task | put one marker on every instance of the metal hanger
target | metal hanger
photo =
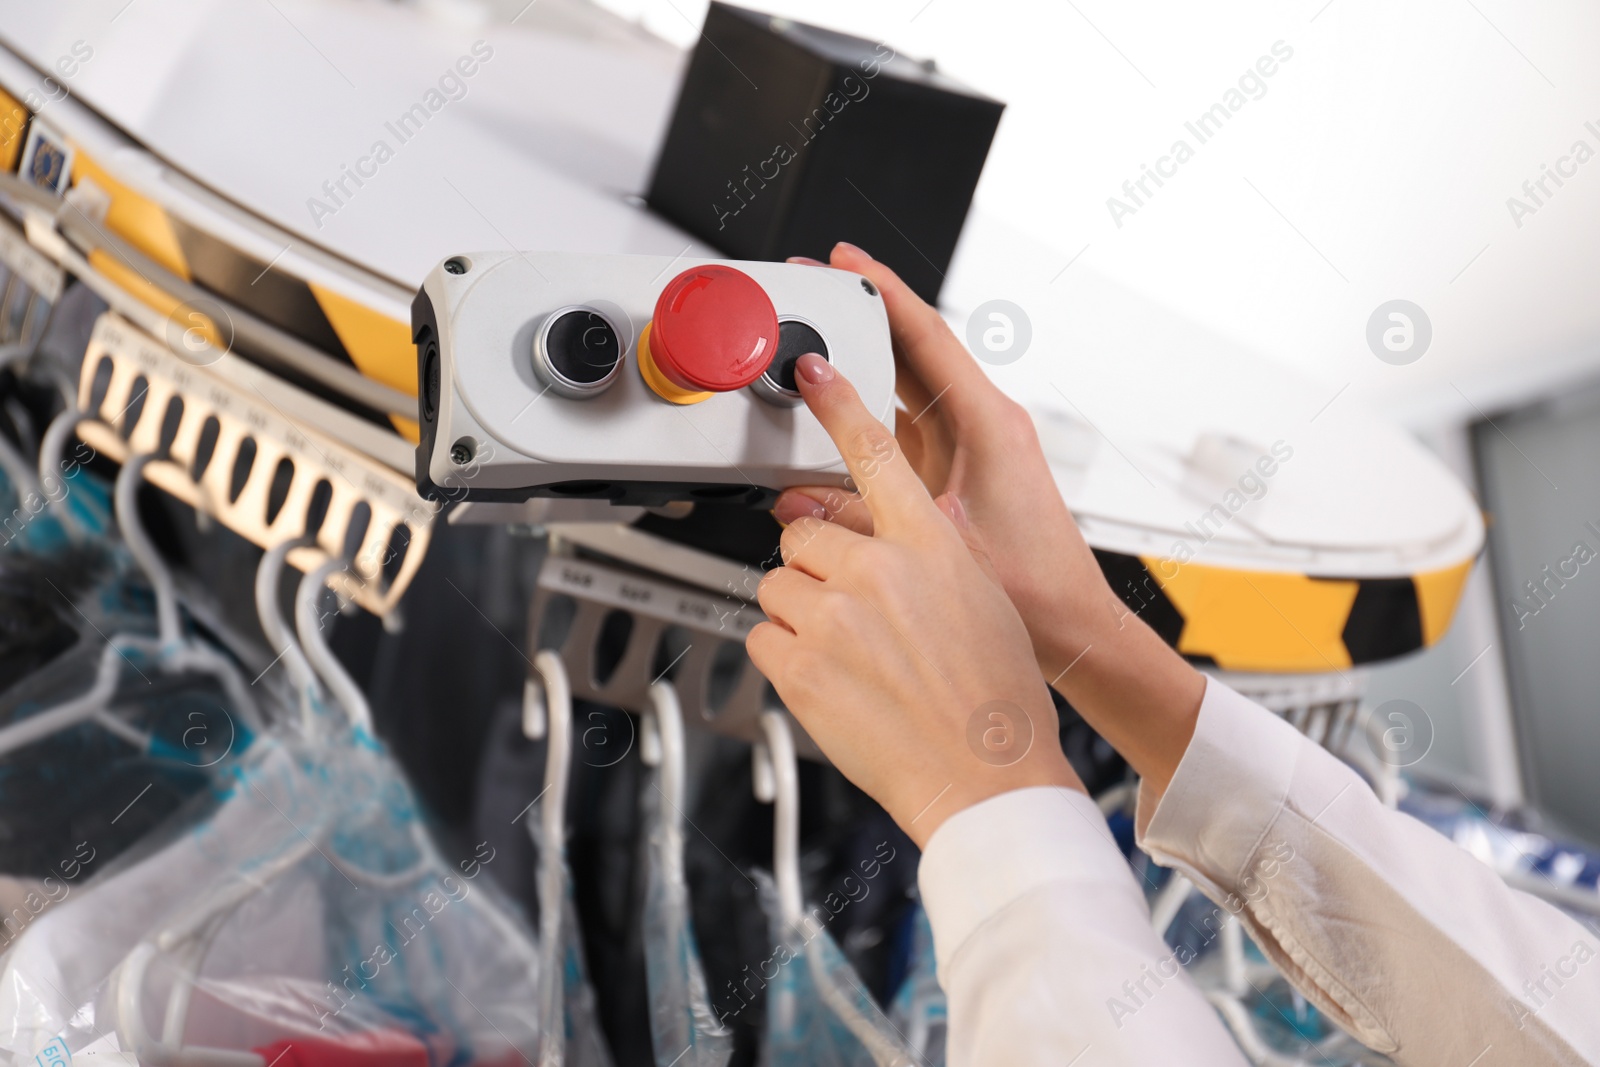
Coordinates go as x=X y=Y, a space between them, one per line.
x=276 y=629
x=692 y=1032
x=547 y=714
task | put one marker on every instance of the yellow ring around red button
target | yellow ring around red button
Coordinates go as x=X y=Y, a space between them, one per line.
x=657 y=381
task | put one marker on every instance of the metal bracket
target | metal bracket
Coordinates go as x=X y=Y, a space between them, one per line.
x=718 y=686
x=128 y=423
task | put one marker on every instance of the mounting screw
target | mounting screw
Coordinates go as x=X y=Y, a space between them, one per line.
x=456 y=265
x=872 y=290
x=461 y=452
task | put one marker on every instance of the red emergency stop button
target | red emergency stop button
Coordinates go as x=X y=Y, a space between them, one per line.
x=715 y=330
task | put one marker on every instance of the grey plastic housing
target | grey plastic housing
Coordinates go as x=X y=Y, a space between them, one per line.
x=492 y=429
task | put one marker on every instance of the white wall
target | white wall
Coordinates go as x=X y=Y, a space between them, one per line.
x=1391 y=142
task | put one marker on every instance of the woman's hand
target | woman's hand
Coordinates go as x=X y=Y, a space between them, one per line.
x=897 y=649
x=966 y=438
x=970 y=443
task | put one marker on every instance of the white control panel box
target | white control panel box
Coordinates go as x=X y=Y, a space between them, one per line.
x=635 y=379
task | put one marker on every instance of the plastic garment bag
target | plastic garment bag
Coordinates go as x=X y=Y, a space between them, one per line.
x=819 y=1014
x=76 y=507
x=303 y=908
x=569 y=1021
x=172 y=652
x=106 y=780
x=309 y=917
x=919 y=1010
x=62 y=593
x=683 y=1028
x=105 y=728
x=1277 y=1027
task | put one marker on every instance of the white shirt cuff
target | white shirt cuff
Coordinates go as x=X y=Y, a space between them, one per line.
x=1228 y=790
x=986 y=857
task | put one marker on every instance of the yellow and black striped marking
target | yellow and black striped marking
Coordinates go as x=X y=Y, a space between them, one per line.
x=344 y=329
x=1278 y=622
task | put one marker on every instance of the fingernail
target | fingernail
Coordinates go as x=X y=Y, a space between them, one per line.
x=955 y=509
x=807 y=260
x=848 y=247
x=792 y=507
x=814 y=369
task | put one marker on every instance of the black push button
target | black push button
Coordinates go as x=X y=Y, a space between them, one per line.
x=578 y=352
x=795 y=339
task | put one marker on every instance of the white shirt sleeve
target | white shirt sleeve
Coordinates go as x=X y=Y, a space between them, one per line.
x=1409 y=942
x=1044 y=945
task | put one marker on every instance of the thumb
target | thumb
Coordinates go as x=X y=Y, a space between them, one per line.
x=956 y=512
